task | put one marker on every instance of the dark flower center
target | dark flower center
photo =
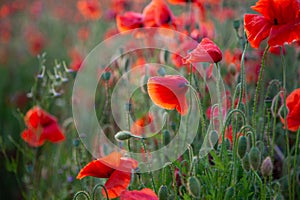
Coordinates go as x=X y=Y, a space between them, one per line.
x=275 y=21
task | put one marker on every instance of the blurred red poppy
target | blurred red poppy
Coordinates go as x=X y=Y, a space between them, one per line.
x=157 y=13
x=114 y=167
x=293 y=105
x=144 y=194
x=206 y=51
x=280 y=21
x=168 y=92
x=41 y=126
x=129 y=20
x=90 y=9
x=139 y=126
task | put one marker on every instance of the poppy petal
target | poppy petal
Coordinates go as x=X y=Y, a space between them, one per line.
x=284 y=34
x=144 y=194
x=257 y=29
x=31 y=138
x=169 y=92
x=117 y=183
x=101 y=168
x=53 y=133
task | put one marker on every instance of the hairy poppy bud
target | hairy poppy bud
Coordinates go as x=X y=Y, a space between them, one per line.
x=106 y=76
x=213 y=138
x=163 y=193
x=166 y=137
x=229 y=193
x=123 y=135
x=245 y=162
x=266 y=167
x=242 y=146
x=279 y=197
x=193 y=186
x=254 y=158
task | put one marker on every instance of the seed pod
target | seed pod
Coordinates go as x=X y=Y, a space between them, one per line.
x=266 y=167
x=229 y=193
x=242 y=146
x=193 y=186
x=163 y=193
x=254 y=158
x=123 y=135
x=166 y=137
x=213 y=138
x=245 y=162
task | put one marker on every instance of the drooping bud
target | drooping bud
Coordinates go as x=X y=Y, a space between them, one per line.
x=254 y=158
x=213 y=138
x=193 y=186
x=123 y=135
x=245 y=162
x=266 y=167
x=242 y=146
x=163 y=193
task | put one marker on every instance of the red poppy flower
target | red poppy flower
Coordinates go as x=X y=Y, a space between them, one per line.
x=41 y=126
x=139 y=126
x=280 y=21
x=169 y=92
x=90 y=9
x=114 y=167
x=76 y=59
x=157 y=13
x=293 y=105
x=130 y=20
x=206 y=51
x=144 y=194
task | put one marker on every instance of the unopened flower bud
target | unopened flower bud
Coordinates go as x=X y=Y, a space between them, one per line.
x=163 y=193
x=245 y=162
x=266 y=167
x=254 y=158
x=166 y=137
x=193 y=186
x=123 y=135
x=213 y=138
x=242 y=146
x=229 y=193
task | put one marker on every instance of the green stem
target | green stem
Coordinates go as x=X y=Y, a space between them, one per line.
x=104 y=188
x=295 y=161
x=150 y=172
x=257 y=90
x=285 y=122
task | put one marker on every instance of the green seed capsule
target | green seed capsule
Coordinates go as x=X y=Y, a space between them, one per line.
x=193 y=186
x=163 y=193
x=242 y=146
x=254 y=158
x=123 y=135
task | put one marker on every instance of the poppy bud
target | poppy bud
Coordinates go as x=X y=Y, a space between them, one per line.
x=254 y=158
x=213 y=138
x=245 y=162
x=166 y=137
x=161 y=71
x=193 y=186
x=236 y=24
x=267 y=167
x=106 y=75
x=123 y=135
x=182 y=190
x=227 y=143
x=229 y=193
x=242 y=146
x=163 y=193
x=279 y=197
